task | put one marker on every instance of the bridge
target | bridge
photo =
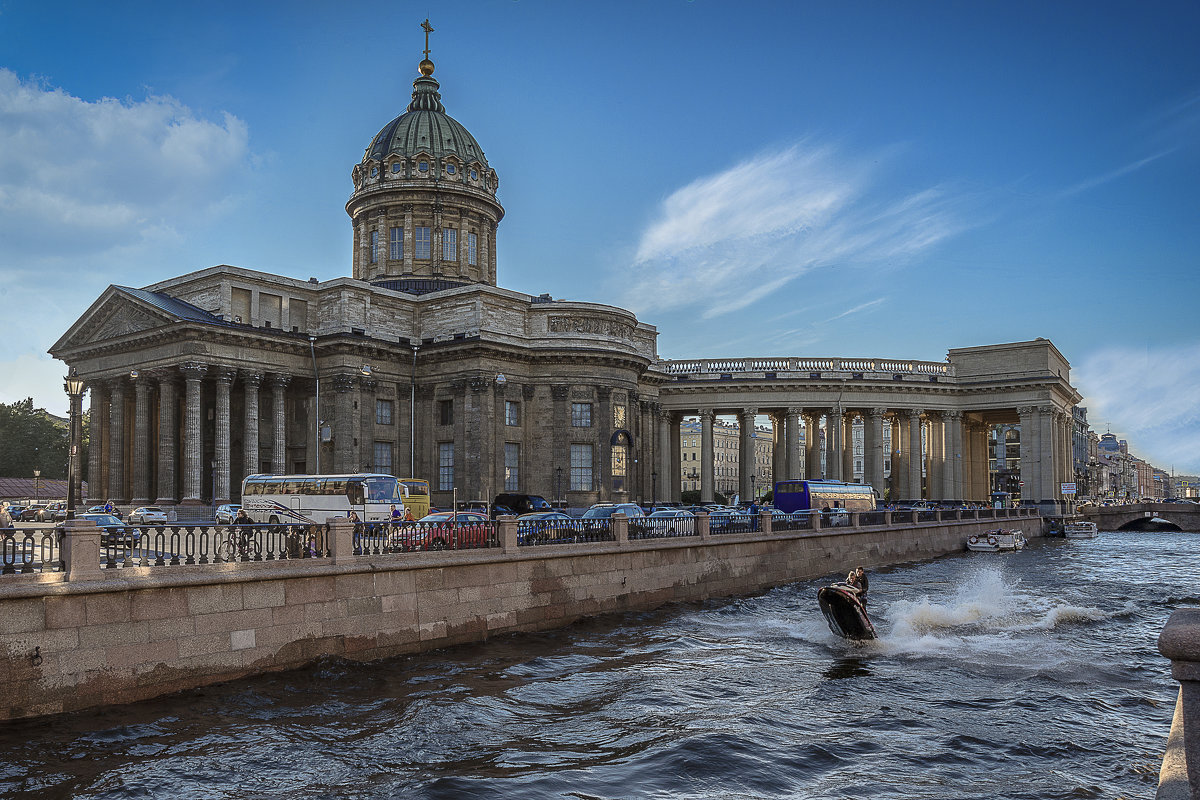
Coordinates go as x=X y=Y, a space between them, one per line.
x=1185 y=516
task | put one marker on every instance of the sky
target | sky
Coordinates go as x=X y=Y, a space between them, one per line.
x=858 y=179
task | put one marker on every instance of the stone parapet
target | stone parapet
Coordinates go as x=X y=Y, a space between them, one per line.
x=1180 y=642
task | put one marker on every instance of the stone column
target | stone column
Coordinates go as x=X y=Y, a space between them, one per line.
x=97 y=482
x=873 y=450
x=847 y=421
x=1049 y=492
x=746 y=451
x=603 y=426
x=561 y=430
x=779 y=448
x=250 y=452
x=279 y=424
x=168 y=440
x=675 y=468
x=116 y=440
x=914 y=453
x=952 y=472
x=935 y=478
x=706 y=455
x=812 y=446
x=141 y=441
x=408 y=238
x=221 y=446
x=901 y=444
x=795 y=453
x=665 y=479
x=193 y=374
x=833 y=444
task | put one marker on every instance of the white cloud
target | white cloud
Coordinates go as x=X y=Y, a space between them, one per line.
x=768 y=220
x=1150 y=398
x=80 y=177
x=1099 y=180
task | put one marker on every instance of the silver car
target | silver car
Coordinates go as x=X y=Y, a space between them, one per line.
x=148 y=515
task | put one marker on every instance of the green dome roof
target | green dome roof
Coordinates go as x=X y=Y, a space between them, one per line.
x=425 y=128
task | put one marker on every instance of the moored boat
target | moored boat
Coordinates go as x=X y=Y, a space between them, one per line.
x=1080 y=529
x=844 y=611
x=1000 y=540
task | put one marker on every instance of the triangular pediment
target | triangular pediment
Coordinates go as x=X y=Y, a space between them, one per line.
x=115 y=315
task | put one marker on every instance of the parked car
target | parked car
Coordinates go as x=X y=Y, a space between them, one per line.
x=227 y=512
x=33 y=513
x=148 y=515
x=15 y=512
x=606 y=510
x=113 y=531
x=519 y=504
x=60 y=512
x=444 y=530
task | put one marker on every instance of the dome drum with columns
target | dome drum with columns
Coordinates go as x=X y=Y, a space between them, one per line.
x=424 y=203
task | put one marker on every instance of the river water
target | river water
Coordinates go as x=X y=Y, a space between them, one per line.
x=1025 y=675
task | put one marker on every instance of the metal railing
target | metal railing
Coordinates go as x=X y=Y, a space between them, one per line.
x=662 y=527
x=796 y=521
x=871 y=518
x=377 y=538
x=176 y=545
x=732 y=523
x=536 y=532
x=925 y=515
x=24 y=551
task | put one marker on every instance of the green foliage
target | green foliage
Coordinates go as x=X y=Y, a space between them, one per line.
x=30 y=439
x=691 y=497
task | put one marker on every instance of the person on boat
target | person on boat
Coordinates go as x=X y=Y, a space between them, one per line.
x=862 y=582
x=852 y=582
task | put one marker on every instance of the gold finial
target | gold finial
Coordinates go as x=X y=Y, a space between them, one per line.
x=426 y=66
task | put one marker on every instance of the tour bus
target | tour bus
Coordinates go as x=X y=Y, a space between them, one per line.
x=416 y=496
x=791 y=496
x=315 y=498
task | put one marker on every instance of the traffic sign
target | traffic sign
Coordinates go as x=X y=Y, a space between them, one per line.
x=1068 y=488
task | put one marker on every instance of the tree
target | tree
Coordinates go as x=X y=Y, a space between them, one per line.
x=31 y=439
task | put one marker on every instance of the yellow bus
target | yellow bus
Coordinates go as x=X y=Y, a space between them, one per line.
x=416 y=496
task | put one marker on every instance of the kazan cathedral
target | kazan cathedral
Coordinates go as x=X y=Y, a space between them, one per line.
x=421 y=366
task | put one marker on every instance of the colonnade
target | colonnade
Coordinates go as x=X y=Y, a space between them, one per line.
x=135 y=455
x=934 y=454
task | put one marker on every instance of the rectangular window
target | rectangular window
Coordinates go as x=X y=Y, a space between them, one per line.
x=397 y=243
x=421 y=242
x=581 y=467
x=445 y=412
x=512 y=466
x=445 y=466
x=512 y=413
x=449 y=244
x=383 y=412
x=581 y=415
x=472 y=249
x=383 y=457
x=374 y=246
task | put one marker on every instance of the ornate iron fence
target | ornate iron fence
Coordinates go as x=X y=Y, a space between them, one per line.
x=175 y=545
x=732 y=523
x=926 y=516
x=797 y=521
x=871 y=517
x=24 y=551
x=536 y=532
x=662 y=527
x=377 y=538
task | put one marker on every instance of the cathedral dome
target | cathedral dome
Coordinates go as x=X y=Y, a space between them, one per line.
x=425 y=128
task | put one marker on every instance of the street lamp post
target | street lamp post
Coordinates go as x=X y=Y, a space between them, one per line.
x=558 y=484
x=653 y=490
x=73 y=385
x=312 y=349
x=37 y=486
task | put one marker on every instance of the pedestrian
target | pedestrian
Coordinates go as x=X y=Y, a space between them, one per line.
x=863 y=582
x=408 y=515
x=396 y=515
x=354 y=517
x=5 y=516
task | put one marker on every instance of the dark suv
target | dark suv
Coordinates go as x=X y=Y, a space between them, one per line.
x=518 y=504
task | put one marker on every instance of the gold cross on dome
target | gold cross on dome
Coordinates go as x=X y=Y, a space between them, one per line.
x=428 y=30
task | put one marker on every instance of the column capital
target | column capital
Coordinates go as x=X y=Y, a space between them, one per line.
x=878 y=412
x=252 y=379
x=1046 y=409
x=528 y=391
x=560 y=391
x=914 y=413
x=117 y=384
x=954 y=416
x=193 y=370
x=707 y=415
x=279 y=380
x=225 y=375
x=344 y=383
x=603 y=393
x=368 y=384
x=794 y=411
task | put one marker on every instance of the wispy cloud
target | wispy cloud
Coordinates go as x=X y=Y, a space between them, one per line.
x=1149 y=397
x=769 y=220
x=1099 y=180
x=858 y=308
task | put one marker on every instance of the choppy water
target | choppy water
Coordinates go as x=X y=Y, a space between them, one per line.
x=1029 y=675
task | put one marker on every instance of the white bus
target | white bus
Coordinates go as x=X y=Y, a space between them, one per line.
x=315 y=498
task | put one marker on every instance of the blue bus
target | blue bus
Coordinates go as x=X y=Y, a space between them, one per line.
x=792 y=496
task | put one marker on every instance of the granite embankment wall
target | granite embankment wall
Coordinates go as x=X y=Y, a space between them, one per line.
x=89 y=637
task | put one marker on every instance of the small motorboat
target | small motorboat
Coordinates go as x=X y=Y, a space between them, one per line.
x=1080 y=529
x=844 y=611
x=1001 y=540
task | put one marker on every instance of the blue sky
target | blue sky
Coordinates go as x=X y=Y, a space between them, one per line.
x=836 y=179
